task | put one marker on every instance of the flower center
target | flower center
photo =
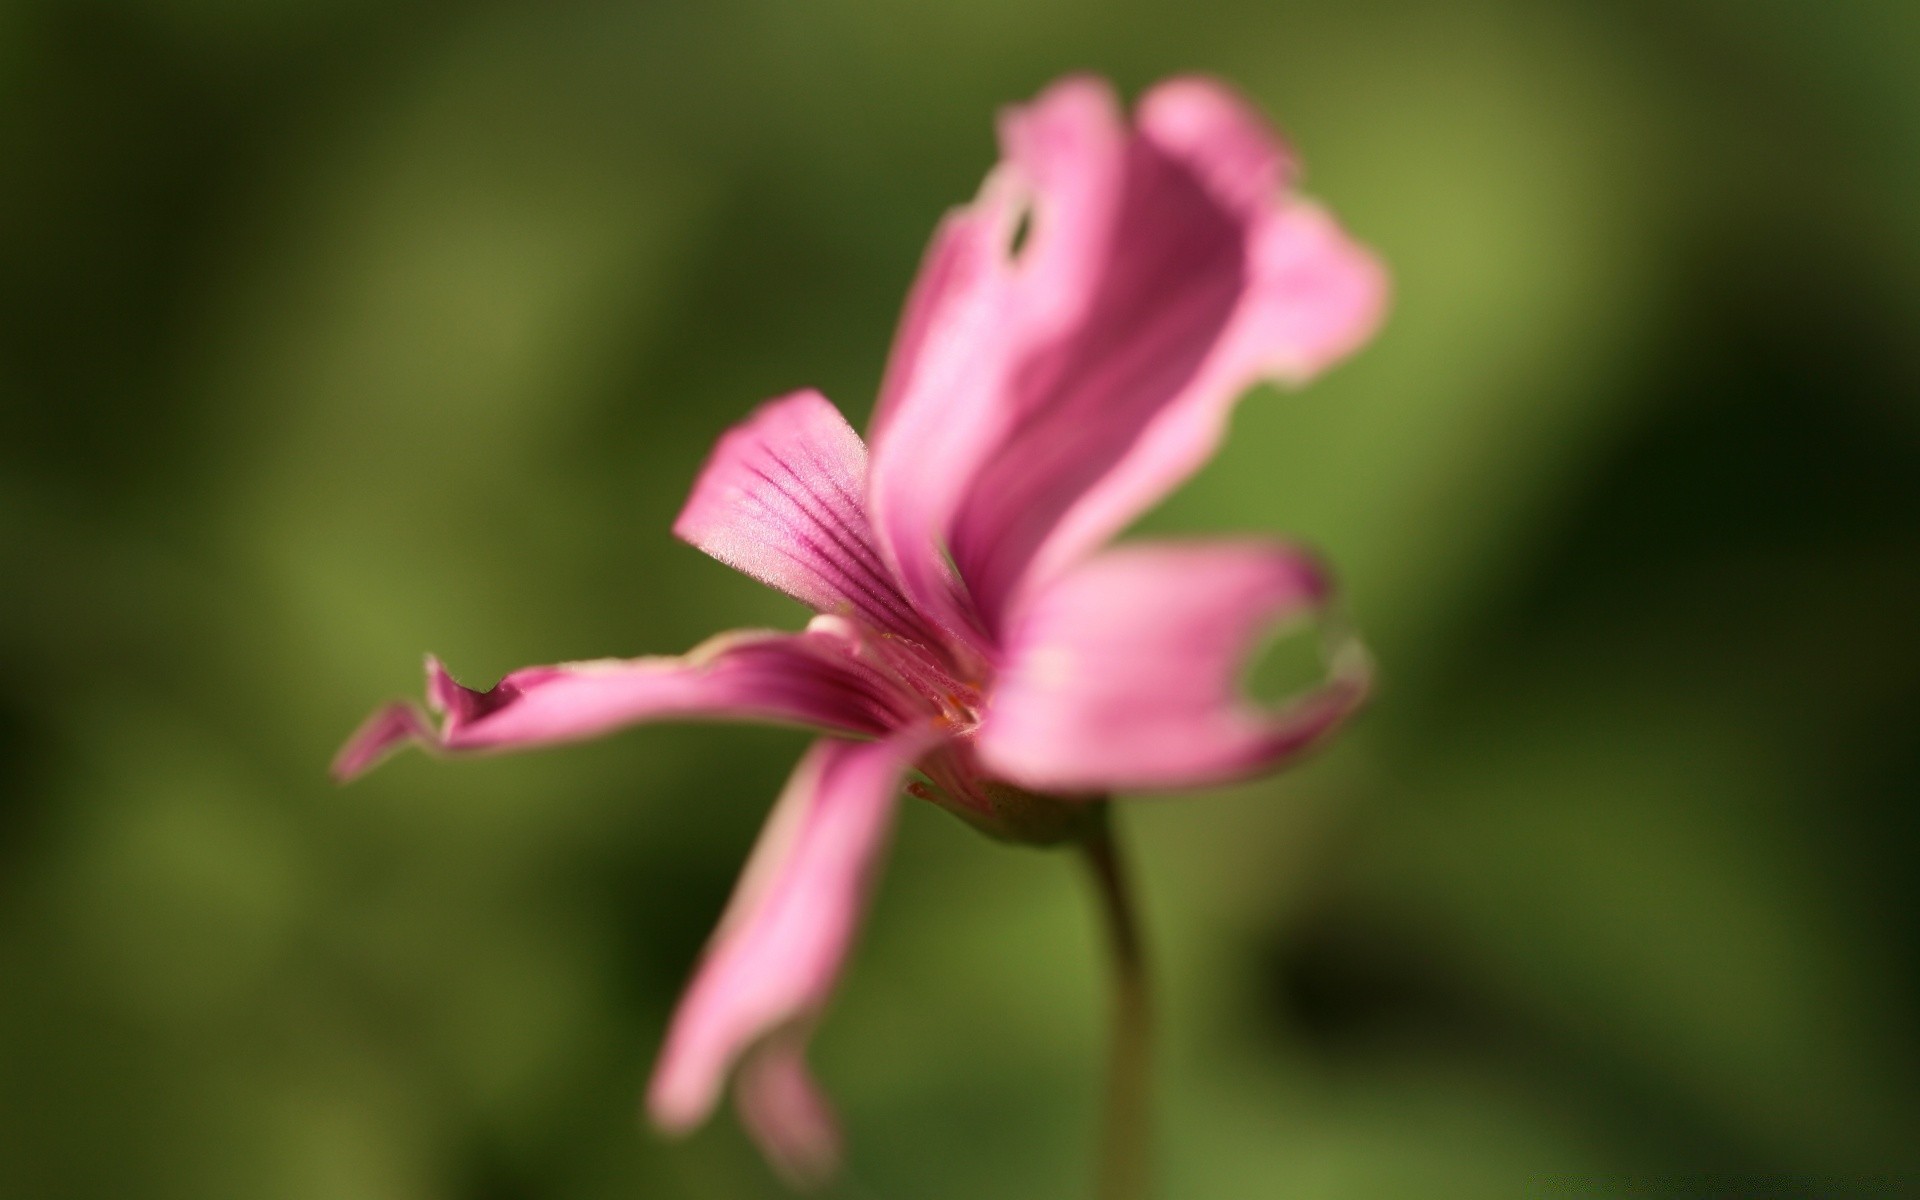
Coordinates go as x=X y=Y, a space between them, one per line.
x=930 y=675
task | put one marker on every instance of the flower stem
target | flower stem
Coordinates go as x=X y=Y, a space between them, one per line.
x=1125 y=1153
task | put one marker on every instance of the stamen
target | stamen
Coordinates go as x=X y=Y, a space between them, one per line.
x=926 y=674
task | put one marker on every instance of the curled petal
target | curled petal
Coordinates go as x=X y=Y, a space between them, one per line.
x=779 y=948
x=390 y=727
x=782 y=499
x=1316 y=296
x=1050 y=393
x=1230 y=147
x=1124 y=673
x=813 y=678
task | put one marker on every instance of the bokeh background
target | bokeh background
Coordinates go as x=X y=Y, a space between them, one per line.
x=332 y=332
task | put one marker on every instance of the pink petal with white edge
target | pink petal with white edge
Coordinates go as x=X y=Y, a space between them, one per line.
x=813 y=679
x=1081 y=379
x=1124 y=674
x=779 y=948
x=782 y=498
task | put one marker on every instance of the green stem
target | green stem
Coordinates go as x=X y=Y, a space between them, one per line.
x=1125 y=1152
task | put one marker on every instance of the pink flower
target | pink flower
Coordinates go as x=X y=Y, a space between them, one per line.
x=1070 y=353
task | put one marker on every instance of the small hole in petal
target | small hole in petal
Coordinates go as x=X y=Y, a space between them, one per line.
x=1022 y=232
x=1290 y=661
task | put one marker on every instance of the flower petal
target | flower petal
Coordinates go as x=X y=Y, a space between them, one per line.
x=1315 y=297
x=779 y=948
x=1200 y=121
x=783 y=1108
x=782 y=499
x=813 y=678
x=1051 y=394
x=1123 y=674
x=389 y=728
x=976 y=312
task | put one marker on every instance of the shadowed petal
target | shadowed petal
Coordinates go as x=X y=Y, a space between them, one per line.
x=782 y=499
x=1070 y=385
x=1239 y=158
x=1124 y=673
x=779 y=948
x=812 y=678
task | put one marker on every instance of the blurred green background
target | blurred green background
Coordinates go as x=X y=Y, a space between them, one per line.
x=332 y=332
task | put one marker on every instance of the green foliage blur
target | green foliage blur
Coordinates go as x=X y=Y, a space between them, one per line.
x=334 y=332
